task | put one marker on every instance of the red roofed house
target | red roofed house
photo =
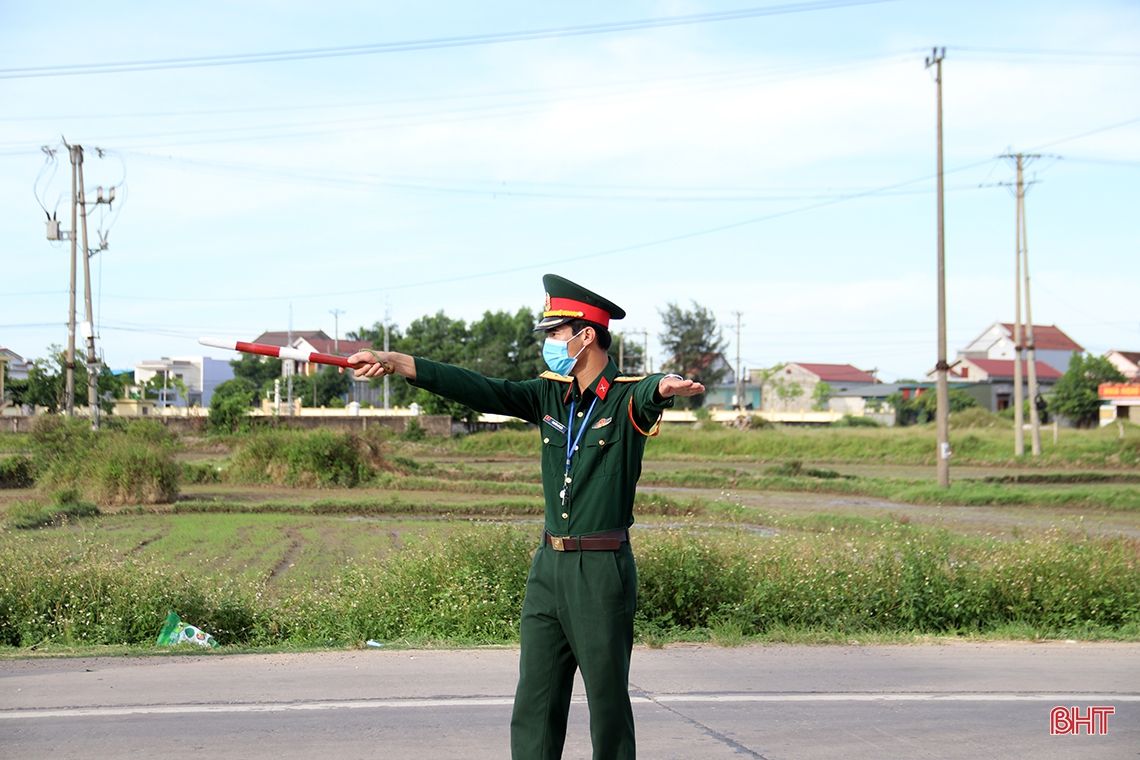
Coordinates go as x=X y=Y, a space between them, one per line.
x=310 y=341
x=994 y=380
x=1053 y=346
x=792 y=388
x=1128 y=362
x=319 y=341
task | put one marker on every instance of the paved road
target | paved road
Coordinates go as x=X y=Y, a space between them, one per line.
x=691 y=703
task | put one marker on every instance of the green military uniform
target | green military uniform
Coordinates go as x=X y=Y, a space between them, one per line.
x=579 y=605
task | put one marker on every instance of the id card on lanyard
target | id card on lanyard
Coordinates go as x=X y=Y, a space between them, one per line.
x=572 y=445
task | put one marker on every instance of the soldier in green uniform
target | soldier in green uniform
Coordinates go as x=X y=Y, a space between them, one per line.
x=582 y=588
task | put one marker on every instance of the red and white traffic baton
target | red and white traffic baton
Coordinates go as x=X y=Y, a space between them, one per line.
x=281 y=352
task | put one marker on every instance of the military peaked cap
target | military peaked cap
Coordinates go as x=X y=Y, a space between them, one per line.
x=567 y=301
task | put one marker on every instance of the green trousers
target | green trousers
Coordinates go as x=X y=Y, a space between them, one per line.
x=577 y=613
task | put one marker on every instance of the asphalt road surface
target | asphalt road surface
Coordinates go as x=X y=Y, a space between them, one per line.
x=959 y=700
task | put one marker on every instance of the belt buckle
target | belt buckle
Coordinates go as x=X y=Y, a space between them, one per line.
x=556 y=542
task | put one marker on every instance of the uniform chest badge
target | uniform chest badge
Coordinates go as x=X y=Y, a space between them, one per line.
x=601 y=423
x=554 y=423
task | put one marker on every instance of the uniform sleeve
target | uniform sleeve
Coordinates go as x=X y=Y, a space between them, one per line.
x=646 y=405
x=483 y=394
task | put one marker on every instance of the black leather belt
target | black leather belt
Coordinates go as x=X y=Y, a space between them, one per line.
x=609 y=541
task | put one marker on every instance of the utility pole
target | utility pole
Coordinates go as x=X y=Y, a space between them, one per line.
x=1022 y=280
x=89 y=313
x=1031 y=358
x=645 y=349
x=290 y=367
x=76 y=154
x=739 y=366
x=1018 y=387
x=336 y=329
x=942 y=389
x=387 y=320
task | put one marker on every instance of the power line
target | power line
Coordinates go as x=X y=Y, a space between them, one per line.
x=435 y=43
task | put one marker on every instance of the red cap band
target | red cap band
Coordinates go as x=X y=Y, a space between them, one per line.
x=566 y=307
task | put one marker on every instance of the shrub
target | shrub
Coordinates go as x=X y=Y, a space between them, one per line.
x=66 y=506
x=16 y=472
x=316 y=458
x=229 y=406
x=131 y=465
x=852 y=421
x=976 y=417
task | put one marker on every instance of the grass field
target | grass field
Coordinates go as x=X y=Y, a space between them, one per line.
x=739 y=539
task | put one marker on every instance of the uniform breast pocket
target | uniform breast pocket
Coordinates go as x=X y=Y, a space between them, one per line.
x=602 y=447
x=553 y=448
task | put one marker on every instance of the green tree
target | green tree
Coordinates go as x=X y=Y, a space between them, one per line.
x=820 y=396
x=230 y=405
x=921 y=409
x=1075 y=394
x=262 y=371
x=631 y=351
x=693 y=341
x=47 y=383
x=320 y=388
x=505 y=345
x=440 y=338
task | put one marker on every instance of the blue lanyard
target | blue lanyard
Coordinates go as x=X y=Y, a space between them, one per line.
x=572 y=447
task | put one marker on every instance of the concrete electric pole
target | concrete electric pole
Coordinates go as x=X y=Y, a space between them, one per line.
x=336 y=329
x=739 y=365
x=942 y=389
x=1021 y=280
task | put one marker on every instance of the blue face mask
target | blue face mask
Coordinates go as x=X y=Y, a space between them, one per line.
x=556 y=353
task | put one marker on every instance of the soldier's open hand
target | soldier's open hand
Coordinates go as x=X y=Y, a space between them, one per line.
x=675 y=385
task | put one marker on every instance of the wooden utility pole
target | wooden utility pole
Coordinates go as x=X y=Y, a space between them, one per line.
x=942 y=367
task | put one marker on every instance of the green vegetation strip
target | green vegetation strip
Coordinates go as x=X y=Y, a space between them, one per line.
x=466 y=588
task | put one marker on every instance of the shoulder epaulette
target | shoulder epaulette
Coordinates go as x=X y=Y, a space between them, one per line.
x=629 y=378
x=548 y=375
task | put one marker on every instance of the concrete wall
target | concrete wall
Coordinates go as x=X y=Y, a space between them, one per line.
x=438 y=425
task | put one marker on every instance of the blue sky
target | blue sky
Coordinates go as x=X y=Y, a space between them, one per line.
x=779 y=164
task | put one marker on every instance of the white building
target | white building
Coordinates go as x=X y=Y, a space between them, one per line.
x=199 y=374
x=1051 y=345
x=1128 y=362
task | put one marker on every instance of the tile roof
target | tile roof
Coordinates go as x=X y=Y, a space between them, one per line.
x=281 y=337
x=1003 y=369
x=838 y=373
x=1047 y=337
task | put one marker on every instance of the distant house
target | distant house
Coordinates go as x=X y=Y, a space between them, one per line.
x=318 y=341
x=722 y=394
x=991 y=380
x=792 y=387
x=1051 y=344
x=1128 y=362
x=310 y=341
x=200 y=375
x=12 y=367
x=16 y=365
